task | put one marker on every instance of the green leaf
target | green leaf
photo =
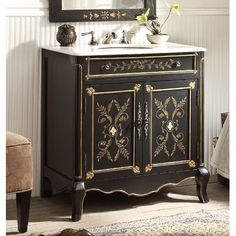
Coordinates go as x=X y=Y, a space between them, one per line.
x=147 y=12
x=144 y=16
x=175 y=8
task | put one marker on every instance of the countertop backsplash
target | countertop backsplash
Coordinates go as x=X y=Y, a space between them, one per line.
x=101 y=29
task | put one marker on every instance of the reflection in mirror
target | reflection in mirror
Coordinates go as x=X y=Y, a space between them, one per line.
x=104 y=4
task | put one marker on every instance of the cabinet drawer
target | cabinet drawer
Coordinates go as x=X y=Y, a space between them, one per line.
x=140 y=65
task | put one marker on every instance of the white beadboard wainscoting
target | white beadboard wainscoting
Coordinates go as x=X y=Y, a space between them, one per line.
x=202 y=23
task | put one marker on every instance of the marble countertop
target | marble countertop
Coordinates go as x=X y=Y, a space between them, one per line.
x=125 y=49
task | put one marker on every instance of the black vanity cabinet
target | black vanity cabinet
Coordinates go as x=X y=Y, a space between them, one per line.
x=128 y=123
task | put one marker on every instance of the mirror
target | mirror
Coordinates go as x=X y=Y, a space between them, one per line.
x=98 y=10
x=98 y=4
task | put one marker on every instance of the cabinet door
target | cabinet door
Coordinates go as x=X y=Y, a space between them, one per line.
x=172 y=136
x=112 y=141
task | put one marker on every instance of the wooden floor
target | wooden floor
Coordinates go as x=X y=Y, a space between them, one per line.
x=50 y=215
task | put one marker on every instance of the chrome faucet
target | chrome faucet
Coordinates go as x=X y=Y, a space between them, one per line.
x=109 y=37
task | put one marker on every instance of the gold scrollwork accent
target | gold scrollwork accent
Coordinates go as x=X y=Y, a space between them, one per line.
x=136 y=169
x=105 y=15
x=96 y=15
x=118 y=14
x=192 y=84
x=192 y=164
x=149 y=88
x=113 y=14
x=89 y=175
x=148 y=168
x=113 y=130
x=169 y=125
x=90 y=91
x=137 y=87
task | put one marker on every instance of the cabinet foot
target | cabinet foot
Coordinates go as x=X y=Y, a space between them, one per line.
x=78 y=195
x=202 y=178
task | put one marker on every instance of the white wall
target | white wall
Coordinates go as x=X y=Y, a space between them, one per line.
x=202 y=23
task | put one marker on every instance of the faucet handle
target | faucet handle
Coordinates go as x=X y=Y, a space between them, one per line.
x=124 y=38
x=109 y=37
x=93 y=41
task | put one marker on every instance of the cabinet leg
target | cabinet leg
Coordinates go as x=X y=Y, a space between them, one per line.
x=78 y=195
x=202 y=178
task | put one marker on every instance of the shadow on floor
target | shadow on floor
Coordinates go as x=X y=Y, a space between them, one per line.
x=58 y=208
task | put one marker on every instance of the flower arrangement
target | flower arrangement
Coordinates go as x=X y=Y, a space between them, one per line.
x=154 y=25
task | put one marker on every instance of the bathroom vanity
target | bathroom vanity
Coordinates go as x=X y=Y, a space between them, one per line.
x=122 y=118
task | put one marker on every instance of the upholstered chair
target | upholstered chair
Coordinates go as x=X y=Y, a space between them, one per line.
x=19 y=175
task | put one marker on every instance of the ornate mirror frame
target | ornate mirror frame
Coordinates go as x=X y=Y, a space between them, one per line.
x=56 y=14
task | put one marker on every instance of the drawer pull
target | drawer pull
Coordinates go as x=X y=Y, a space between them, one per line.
x=177 y=64
x=106 y=67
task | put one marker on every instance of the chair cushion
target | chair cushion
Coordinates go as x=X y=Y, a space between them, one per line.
x=18 y=163
x=15 y=139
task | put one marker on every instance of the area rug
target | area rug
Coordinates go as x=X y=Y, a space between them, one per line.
x=201 y=223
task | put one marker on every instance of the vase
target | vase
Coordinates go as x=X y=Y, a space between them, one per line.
x=66 y=35
x=158 y=38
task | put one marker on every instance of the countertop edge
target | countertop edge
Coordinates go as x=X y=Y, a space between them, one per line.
x=116 y=50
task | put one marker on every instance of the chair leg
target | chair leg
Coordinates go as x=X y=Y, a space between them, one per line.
x=23 y=205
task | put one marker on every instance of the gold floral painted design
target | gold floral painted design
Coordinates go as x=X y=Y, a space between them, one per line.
x=170 y=126
x=136 y=169
x=90 y=91
x=148 y=168
x=142 y=64
x=192 y=84
x=113 y=130
x=104 y=15
x=89 y=175
x=192 y=164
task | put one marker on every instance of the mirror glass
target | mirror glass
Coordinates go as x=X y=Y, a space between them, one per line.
x=104 y=4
